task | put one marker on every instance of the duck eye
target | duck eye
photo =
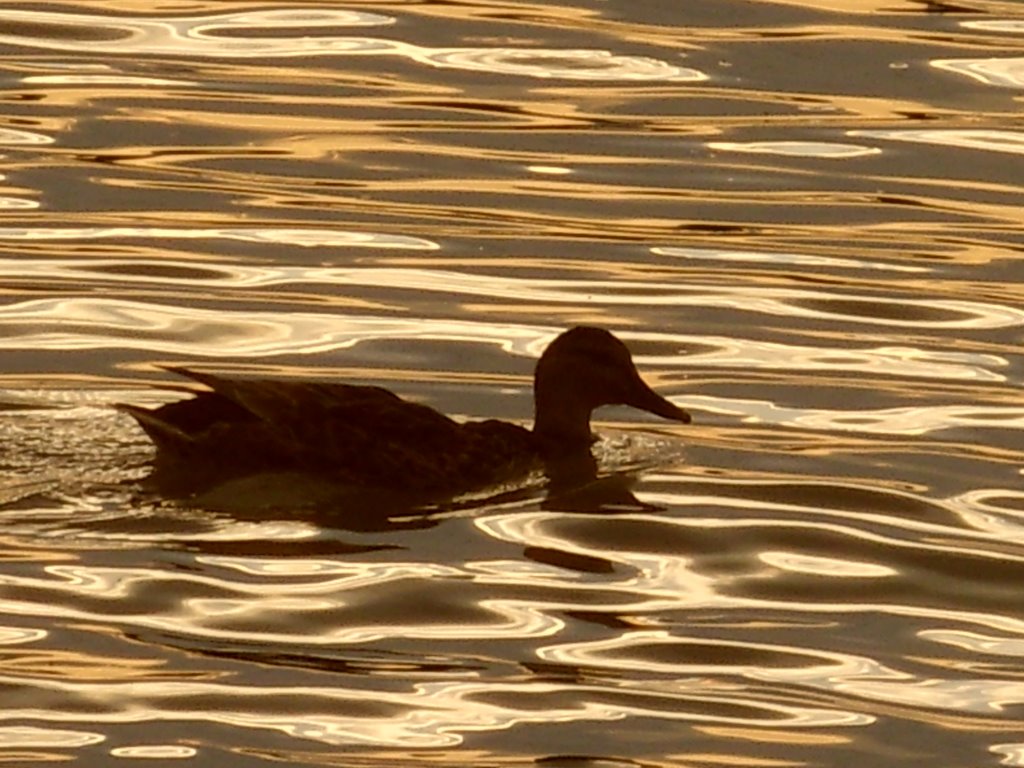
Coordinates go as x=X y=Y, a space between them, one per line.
x=610 y=357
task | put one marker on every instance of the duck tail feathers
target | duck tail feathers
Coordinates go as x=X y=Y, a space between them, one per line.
x=206 y=379
x=165 y=436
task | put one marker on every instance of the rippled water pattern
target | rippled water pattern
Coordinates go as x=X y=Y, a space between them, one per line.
x=803 y=216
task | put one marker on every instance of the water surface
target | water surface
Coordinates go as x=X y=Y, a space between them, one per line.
x=804 y=219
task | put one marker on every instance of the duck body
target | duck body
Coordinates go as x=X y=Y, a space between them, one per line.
x=354 y=435
x=367 y=436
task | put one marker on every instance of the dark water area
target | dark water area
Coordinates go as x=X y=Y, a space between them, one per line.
x=804 y=219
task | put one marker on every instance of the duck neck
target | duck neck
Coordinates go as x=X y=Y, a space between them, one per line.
x=562 y=427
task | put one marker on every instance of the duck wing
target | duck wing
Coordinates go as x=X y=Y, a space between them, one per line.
x=281 y=401
x=233 y=404
x=362 y=435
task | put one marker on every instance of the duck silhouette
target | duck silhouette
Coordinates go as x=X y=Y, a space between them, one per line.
x=366 y=436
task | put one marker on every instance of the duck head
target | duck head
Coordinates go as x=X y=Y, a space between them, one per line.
x=583 y=369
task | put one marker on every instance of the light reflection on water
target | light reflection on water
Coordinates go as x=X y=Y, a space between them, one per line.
x=211 y=36
x=804 y=219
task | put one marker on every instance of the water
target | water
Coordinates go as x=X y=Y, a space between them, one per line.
x=803 y=217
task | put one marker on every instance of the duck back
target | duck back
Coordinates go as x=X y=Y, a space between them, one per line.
x=350 y=434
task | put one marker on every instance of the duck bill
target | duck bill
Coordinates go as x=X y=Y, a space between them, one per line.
x=646 y=399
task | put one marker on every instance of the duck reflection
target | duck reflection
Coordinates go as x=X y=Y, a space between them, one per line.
x=575 y=486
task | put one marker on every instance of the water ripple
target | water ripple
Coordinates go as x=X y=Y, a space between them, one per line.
x=219 y=36
x=804 y=220
x=781 y=258
x=305 y=237
x=567 y=65
x=19 y=635
x=1003 y=72
x=155 y=752
x=1011 y=142
x=15 y=137
x=796 y=149
x=20 y=737
x=890 y=421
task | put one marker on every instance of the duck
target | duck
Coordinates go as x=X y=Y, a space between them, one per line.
x=367 y=436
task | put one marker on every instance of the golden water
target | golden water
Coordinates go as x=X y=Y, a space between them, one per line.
x=805 y=219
